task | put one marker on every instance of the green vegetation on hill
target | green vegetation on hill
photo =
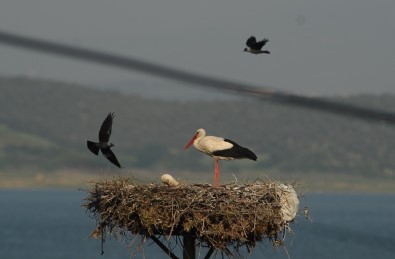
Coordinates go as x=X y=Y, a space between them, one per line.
x=13 y=138
x=46 y=124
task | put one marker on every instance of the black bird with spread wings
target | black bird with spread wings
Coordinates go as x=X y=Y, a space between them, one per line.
x=104 y=144
x=255 y=47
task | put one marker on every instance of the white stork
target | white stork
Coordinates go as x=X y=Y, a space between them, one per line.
x=219 y=149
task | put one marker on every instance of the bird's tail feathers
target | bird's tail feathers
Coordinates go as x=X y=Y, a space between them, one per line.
x=92 y=147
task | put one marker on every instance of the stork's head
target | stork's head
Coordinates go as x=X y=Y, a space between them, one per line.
x=200 y=133
x=246 y=49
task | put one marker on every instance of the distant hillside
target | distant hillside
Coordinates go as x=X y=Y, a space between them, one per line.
x=54 y=120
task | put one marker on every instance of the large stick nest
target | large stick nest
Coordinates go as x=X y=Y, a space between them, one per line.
x=219 y=217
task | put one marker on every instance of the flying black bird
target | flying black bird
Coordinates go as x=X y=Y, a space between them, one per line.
x=104 y=144
x=255 y=47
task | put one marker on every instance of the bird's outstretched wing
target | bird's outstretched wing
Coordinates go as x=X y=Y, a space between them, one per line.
x=105 y=129
x=261 y=43
x=92 y=147
x=251 y=42
x=110 y=156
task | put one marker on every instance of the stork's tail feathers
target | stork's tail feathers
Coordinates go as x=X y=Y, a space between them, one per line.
x=93 y=147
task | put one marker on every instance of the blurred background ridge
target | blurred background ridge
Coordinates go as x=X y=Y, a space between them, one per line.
x=129 y=63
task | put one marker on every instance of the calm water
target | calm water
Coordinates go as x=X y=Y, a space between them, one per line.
x=52 y=224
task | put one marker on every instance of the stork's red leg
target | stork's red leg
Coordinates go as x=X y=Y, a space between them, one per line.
x=216 y=173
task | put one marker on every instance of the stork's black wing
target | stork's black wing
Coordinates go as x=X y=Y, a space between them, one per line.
x=251 y=42
x=236 y=151
x=105 y=129
x=261 y=43
x=110 y=156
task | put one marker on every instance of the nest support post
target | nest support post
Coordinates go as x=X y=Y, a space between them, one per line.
x=163 y=247
x=189 y=249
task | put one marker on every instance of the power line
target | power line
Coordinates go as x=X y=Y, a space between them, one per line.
x=134 y=64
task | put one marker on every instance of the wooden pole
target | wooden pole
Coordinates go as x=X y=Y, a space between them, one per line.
x=164 y=248
x=209 y=253
x=188 y=250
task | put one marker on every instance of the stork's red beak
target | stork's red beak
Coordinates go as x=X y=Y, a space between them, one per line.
x=191 y=141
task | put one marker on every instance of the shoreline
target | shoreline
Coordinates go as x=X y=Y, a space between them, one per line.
x=304 y=183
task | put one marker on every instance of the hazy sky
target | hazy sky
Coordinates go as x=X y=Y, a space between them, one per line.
x=318 y=46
